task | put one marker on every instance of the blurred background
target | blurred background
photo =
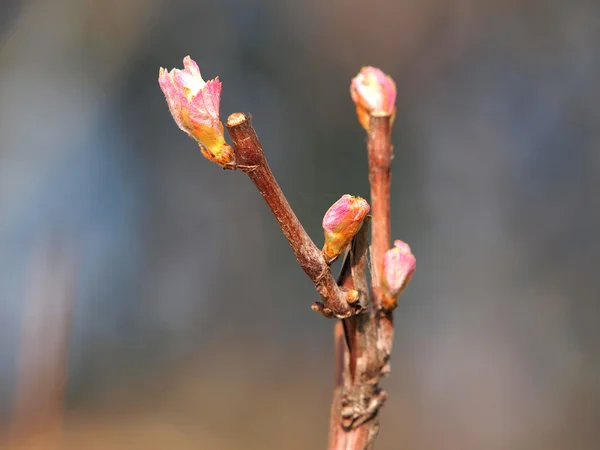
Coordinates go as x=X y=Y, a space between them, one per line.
x=162 y=289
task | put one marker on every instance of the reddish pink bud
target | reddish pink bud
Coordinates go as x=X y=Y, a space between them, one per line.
x=194 y=104
x=373 y=93
x=399 y=264
x=341 y=222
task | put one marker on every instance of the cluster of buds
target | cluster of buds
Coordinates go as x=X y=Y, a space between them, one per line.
x=194 y=104
x=399 y=264
x=340 y=223
x=374 y=94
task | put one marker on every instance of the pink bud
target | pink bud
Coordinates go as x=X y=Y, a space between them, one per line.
x=341 y=222
x=373 y=93
x=194 y=104
x=399 y=264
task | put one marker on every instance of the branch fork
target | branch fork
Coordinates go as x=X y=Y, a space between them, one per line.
x=367 y=329
x=364 y=335
x=250 y=158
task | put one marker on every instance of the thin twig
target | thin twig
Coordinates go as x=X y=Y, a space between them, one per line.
x=380 y=158
x=250 y=158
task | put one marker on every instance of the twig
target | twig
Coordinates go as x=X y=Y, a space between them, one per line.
x=354 y=422
x=357 y=397
x=380 y=158
x=250 y=158
x=363 y=338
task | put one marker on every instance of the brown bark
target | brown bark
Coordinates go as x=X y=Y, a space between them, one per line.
x=380 y=157
x=381 y=153
x=250 y=158
x=354 y=422
x=357 y=397
x=363 y=338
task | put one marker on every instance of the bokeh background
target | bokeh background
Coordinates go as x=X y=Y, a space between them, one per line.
x=168 y=287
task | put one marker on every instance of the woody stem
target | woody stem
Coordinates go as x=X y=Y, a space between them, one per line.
x=250 y=158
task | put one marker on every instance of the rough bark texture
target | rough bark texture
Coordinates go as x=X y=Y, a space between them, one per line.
x=357 y=397
x=364 y=342
x=363 y=338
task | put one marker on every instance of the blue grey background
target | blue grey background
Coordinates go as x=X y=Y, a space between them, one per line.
x=192 y=324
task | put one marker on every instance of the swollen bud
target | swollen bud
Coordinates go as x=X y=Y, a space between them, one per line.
x=399 y=264
x=341 y=222
x=374 y=94
x=194 y=104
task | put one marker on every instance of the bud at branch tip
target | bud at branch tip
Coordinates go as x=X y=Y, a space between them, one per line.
x=374 y=94
x=194 y=104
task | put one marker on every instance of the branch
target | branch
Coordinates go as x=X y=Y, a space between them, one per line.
x=363 y=339
x=380 y=158
x=365 y=351
x=357 y=397
x=250 y=158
